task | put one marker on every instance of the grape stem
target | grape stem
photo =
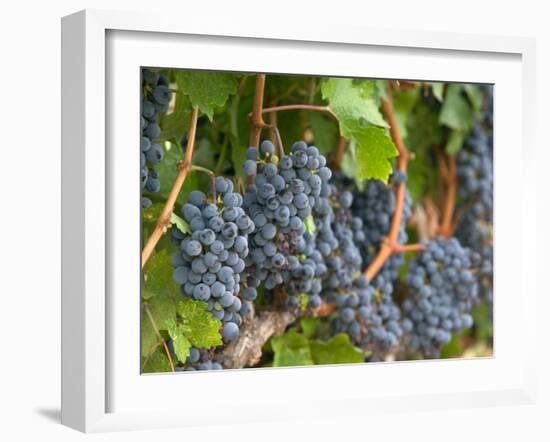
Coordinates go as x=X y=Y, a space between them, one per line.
x=184 y=167
x=211 y=175
x=256 y=118
x=340 y=150
x=447 y=169
x=159 y=336
x=390 y=244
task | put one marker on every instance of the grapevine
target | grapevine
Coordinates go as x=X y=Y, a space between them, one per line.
x=313 y=239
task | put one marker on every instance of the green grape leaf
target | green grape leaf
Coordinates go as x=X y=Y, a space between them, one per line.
x=423 y=129
x=309 y=225
x=149 y=218
x=207 y=90
x=157 y=362
x=325 y=132
x=291 y=350
x=373 y=151
x=200 y=326
x=475 y=95
x=338 y=350
x=438 y=89
x=176 y=123
x=453 y=349
x=455 y=141
x=310 y=326
x=168 y=171
x=180 y=341
x=148 y=336
x=354 y=103
x=157 y=277
x=180 y=223
x=404 y=101
x=456 y=112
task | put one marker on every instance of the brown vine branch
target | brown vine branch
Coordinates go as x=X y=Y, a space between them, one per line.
x=246 y=351
x=340 y=150
x=256 y=118
x=447 y=169
x=164 y=220
x=390 y=244
x=159 y=336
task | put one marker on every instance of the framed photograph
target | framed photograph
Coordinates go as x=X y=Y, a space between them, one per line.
x=313 y=224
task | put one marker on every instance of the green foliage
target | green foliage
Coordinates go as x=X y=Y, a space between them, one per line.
x=180 y=223
x=374 y=148
x=207 y=90
x=157 y=362
x=403 y=103
x=353 y=102
x=338 y=350
x=356 y=105
x=325 y=132
x=181 y=343
x=157 y=277
x=198 y=324
x=453 y=349
x=176 y=123
x=456 y=112
x=310 y=326
x=294 y=349
x=291 y=349
x=438 y=89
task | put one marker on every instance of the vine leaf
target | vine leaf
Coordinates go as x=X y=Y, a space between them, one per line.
x=325 y=132
x=180 y=223
x=310 y=326
x=157 y=277
x=200 y=326
x=354 y=103
x=338 y=350
x=456 y=112
x=157 y=362
x=373 y=151
x=181 y=343
x=176 y=123
x=455 y=141
x=291 y=349
x=437 y=89
x=208 y=91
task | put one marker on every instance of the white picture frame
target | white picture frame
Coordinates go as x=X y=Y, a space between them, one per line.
x=100 y=389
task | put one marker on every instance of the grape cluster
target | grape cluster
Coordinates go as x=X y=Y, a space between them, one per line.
x=369 y=316
x=199 y=361
x=155 y=98
x=211 y=261
x=475 y=179
x=280 y=203
x=443 y=291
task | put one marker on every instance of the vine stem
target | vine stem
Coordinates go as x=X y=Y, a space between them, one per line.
x=256 y=118
x=184 y=167
x=340 y=150
x=390 y=244
x=447 y=168
x=157 y=332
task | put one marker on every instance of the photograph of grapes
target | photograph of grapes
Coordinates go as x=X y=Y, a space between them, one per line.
x=298 y=220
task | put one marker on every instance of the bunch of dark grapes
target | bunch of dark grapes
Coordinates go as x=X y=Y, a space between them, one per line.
x=280 y=203
x=199 y=361
x=210 y=264
x=375 y=207
x=443 y=290
x=155 y=98
x=475 y=178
